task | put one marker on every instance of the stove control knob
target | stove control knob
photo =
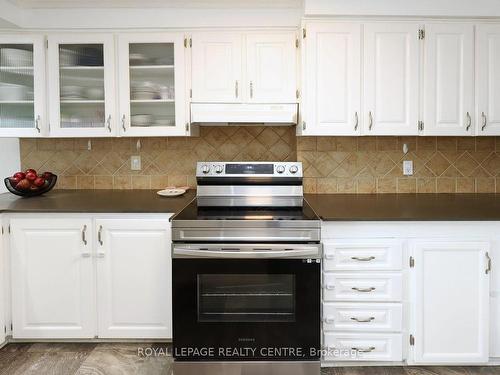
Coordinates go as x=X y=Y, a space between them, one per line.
x=205 y=168
x=280 y=169
x=219 y=169
x=294 y=169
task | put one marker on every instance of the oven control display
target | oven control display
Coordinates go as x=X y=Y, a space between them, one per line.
x=249 y=168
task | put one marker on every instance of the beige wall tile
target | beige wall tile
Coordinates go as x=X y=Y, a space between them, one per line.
x=306 y=143
x=386 y=185
x=122 y=182
x=426 y=185
x=446 y=185
x=85 y=182
x=465 y=185
x=310 y=185
x=326 y=185
x=103 y=182
x=366 y=185
x=66 y=182
x=141 y=182
x=485 y=185
x=407 y=185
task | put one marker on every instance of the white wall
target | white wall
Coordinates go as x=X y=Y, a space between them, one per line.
x=9 y=159
x=453 y=8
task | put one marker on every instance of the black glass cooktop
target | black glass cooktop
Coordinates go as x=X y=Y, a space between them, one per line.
x=193 y=212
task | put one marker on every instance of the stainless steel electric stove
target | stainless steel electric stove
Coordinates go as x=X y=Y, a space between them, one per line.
x=246 y=273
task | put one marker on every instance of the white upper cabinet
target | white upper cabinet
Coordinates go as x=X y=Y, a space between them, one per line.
x=448 y=105
x=332 y=95
x=82 y=85
x=488 y=80
x=271 y=68
x=134 y=272
x=391 y=79
x=22 y=86
x=52 y=278
x=152 y=91
x=450 y=305
x=217 y=67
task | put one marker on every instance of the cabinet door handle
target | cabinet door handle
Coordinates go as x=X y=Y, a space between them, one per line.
x=329 y=320
x=329 y=286
x=251 y=89
x=363 y=259
x=485 y=121
x=364 y=350
x=99 y=235
x=361 y=320
x=86 y=255
x=488 y=266
x=370 y=117
x=123 y=123
x=329 y=256
x=108 y=123
x=84 y=235
x=37 y=124
x=236 y=89
x=364 y=290
x=469 y=121
x=101 y=255
x=356 y=121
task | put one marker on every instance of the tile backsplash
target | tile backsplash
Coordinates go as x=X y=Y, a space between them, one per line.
x=331 y=164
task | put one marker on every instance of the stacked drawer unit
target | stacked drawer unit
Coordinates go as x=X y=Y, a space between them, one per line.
x=362 y=300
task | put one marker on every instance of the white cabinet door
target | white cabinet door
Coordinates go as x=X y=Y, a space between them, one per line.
x=52 y=278
x=450 y=302
x=271 y=68
x=152 y=92
x=391 y=79
x=488 y=79
x=217 y=67
x=134 y=278
x=22 y=86
x=3 y=271
x=448 y=79
x=332 y=79
x=82 y=85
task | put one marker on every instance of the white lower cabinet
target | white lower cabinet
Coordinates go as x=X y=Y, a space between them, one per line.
x=63 y=265
x=450 y=302
x=3 y=289
x=134 y=273
x=52 y=278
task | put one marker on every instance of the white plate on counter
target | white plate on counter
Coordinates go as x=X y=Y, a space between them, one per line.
x=174 y=192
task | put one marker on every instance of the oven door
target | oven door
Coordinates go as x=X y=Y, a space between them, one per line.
x=246 y=304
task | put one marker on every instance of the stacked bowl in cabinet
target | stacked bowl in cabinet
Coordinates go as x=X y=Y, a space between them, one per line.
x=362 y=300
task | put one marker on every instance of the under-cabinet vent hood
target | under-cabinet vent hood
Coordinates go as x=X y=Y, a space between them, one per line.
x=216 y=113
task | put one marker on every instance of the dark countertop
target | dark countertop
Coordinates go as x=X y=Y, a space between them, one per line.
x=99 y=201
x=330 y=207
x=406 y=207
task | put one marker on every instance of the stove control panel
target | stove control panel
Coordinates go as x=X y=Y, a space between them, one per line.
x=247 y=169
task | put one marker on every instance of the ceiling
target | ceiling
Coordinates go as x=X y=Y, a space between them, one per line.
x=200 y=4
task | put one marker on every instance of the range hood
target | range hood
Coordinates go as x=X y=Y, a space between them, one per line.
x=222 y=113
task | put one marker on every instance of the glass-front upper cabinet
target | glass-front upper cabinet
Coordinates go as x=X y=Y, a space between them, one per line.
x=82 y=85
x=22 y=86
x=152 y=84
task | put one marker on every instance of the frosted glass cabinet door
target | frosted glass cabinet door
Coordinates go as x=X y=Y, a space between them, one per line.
x=22 y=86
x=152 y=89
x=81 y=87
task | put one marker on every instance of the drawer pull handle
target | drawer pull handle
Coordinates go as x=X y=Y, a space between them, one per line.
x=364 y=290
x=364 y=350
x=329 y=256
x=363 y=259
x=367 y=320
x=329 y=286
x=329 y=320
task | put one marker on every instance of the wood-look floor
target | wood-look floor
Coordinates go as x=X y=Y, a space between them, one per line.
x=124 y=359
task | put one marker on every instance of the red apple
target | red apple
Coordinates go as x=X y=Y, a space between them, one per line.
x=31 y=176
x=39 y=181
x=30 y=170
x=14 y=180
x=24 y=184
x=19 y=175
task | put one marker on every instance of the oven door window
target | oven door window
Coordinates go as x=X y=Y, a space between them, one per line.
x=246 y=298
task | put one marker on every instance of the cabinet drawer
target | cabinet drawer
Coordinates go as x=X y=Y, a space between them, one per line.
x=350 y=255
x=363 y=347
x=366 y=317
x=362 y=287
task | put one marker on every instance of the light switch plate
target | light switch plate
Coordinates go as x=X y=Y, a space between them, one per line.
x=135 y=163
x=408 y=167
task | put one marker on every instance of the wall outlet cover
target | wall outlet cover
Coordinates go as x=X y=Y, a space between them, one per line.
x=408 y=167
x=135 y=163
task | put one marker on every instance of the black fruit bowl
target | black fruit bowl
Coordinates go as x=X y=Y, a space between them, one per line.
x=49 y=184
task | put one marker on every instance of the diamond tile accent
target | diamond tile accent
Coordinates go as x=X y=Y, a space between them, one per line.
x=331 y=164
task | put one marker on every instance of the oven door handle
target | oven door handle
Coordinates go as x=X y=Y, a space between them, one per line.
x=235 y=253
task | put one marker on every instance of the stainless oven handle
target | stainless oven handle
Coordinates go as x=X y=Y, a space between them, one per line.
x=238 y=254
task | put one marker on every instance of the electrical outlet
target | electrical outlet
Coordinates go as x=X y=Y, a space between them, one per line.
x=135 y=163
x=408 y=167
